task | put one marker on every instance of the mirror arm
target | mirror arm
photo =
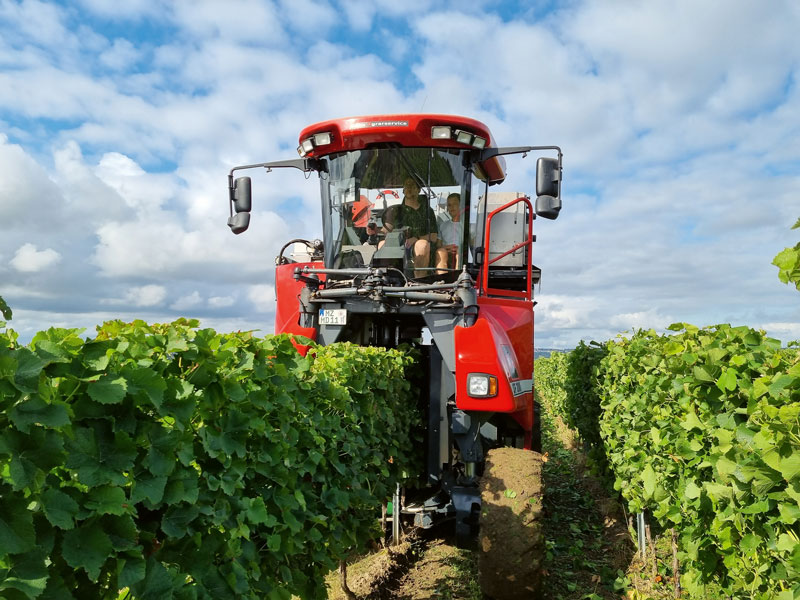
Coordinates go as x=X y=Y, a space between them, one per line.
x=303 y=164
x=487 y=153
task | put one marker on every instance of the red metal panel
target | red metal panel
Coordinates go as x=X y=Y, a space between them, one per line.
x=480 y=349
x=287 y=309
x=356 y=133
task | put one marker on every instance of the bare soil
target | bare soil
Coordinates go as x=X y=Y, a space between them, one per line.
x=511 y=543
x=584 y=544
x=444 y=571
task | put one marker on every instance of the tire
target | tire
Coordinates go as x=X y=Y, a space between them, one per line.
x=511 y=546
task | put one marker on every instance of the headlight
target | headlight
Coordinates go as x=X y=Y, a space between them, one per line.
x=463 y=137
x=481 y=385
x=440 y=132
x=322 y=139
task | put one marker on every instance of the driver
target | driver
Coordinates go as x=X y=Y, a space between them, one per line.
x=419 y=222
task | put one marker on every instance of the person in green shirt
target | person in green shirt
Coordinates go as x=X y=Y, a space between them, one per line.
x=419 y=222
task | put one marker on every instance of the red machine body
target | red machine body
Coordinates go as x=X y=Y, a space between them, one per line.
x=448 y=270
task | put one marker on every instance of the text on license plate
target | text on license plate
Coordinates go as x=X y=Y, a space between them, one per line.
x=333 y=316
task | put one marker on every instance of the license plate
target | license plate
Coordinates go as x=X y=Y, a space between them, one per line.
x=333 y=316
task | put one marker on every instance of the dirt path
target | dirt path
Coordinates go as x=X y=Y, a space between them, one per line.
x=587 y=546
x=444 y=571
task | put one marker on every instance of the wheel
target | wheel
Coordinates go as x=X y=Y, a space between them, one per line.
x=511 y=546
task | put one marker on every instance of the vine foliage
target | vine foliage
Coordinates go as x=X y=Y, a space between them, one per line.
x=702 y=429
x=788 y=263
x=177 y=462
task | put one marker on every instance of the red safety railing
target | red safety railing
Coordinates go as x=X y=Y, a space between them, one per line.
x=525 y=294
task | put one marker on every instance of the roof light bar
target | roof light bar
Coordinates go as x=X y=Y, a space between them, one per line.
x=318 y=139
x=462 y=136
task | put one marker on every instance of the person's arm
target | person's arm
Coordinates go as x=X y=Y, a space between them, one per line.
x=389 y=218
x=432 y=234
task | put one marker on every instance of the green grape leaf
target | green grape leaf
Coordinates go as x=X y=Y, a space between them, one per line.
x=27 y=573
x=148 y=487
x=177 y=518
x=108 y=389
x=130 y=571
x=107 y=500
x=16 y=526
x=59 y=508
x=790 y=466
x=5 y=310
x=37 y=411
x=156 y=584
x=86 y=547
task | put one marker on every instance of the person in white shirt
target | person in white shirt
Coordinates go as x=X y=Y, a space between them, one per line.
x=451 y=234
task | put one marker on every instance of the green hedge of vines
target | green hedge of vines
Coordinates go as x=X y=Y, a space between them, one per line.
x=702 y=428
x=166 y=461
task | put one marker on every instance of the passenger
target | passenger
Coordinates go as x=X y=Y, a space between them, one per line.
x=451 y=234
x=418 y=220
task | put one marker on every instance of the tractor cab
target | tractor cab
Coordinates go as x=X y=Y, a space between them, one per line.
x=388 y=207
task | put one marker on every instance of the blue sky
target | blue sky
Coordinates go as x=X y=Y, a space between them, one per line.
x=679 y=122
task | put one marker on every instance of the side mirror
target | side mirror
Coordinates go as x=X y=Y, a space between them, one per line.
x=548 y=177
x=548 y=188
x=240 y=198
x=239 y=222
x=547 y=207
x=241 y=195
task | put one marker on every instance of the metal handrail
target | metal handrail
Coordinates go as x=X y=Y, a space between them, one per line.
x=527 y=294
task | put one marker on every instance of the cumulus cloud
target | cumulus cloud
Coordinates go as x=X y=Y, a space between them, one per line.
x=186 y=302
x=645 y=319
x=221 y=301
x=680 y=146
x=121 y=55
x=262 y=296
x=146 y=295
x=28 y=196
x=28 y=259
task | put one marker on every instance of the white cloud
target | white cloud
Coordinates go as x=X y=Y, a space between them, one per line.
x=37 y=22
x=28 y=259
x=783 y=331
x=221 y=301
x=146 y=295
x=121 y=55
x=645 y=319
x=244 y=21
x=680 y=145
x=186 y=302
x=88 y=199
x=262 y=296
x=130 y=9
x=28 y=197
x=140 y=190
x=159 y=246
x=312 y=17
